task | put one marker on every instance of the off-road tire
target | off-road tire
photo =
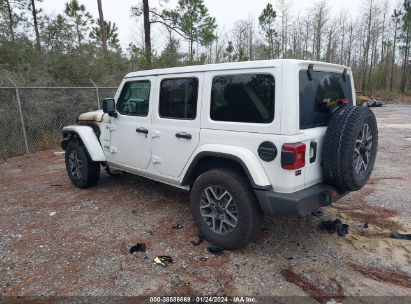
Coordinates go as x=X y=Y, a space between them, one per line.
x=89 y=171
x=338 y=154
x=249 y=216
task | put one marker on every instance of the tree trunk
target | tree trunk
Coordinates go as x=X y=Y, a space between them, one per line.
x=250 y=40
x=367 y=45
x=393 y=59
x=191 y=42
x=404 y=79
x=36 y=27
x=11 y=21
x=372 y=63
x=78 y=32
x=382 y=37
x=147 y=33
x=306 y=38
x=328 y=53
x=103 y=33
x=342 y=42
x=350 y=42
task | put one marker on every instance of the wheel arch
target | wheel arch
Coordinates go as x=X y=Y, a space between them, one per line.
x=88 y=137
x=207 y=160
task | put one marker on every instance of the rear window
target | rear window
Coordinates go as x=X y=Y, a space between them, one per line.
x=320 y=96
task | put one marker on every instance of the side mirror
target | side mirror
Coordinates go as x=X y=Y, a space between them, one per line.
x=109 y=107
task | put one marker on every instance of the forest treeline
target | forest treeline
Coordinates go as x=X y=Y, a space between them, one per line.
x=72 y=47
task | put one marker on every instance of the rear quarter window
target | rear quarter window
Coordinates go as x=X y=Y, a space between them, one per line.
x=244 y=98
x=321 y=95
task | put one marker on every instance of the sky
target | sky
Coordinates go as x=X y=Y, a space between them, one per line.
x=225 y=11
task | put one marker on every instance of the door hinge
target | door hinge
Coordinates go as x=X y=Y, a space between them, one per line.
x=113 y=150
x=111 y=128
x=156 y=160
x=155 y=134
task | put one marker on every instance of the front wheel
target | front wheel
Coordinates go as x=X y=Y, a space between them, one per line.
x=224 y=208
x=82 y=171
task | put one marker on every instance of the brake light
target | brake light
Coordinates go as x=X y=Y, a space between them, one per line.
x=345 y=101
x=293 y=156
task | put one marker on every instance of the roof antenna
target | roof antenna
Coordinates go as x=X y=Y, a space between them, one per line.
x=345 y=75
x=310 y=71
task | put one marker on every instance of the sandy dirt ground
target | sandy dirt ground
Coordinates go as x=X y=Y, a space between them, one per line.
x=56 y=239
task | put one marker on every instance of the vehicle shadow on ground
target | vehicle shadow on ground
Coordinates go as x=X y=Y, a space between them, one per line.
x=274 y=230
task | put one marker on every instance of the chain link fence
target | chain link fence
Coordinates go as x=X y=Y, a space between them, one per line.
x=31 y=119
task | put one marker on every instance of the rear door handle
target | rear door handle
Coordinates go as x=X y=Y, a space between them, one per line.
x=142 y=130
x=313 y=146
x=183 y=135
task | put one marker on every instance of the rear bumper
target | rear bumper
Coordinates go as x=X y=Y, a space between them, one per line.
x=299 y=203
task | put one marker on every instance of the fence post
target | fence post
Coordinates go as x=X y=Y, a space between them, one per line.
x=97 y=94
x=23 y=126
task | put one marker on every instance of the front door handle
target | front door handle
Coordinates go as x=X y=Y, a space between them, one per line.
x=183 y=135
x=142 y=130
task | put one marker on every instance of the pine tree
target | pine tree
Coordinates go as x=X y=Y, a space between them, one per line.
x=111 y=34
x=80 y=19
x=267 y=24
x=192 y=21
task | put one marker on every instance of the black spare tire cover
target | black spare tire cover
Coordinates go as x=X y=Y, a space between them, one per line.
x=350 y=148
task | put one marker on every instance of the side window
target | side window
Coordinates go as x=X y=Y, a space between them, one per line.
x=243 y=98
x=178 y=98
x=134 y=98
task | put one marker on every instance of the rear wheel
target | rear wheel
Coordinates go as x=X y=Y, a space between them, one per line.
x=82 y=171
x=224 y=208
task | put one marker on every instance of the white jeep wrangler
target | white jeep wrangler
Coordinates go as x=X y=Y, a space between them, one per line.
x=279 y=137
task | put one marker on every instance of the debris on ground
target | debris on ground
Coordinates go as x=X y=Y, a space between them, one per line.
x=400 y=236
x=59 y=153
x=335 y=226
x=365 y=226
x=215 y=250
x=317 y=213
x=140 y=247
x=329 y=289
x=163 y=260
x=177 y=226
x=203 y=259
x=198 y=241
x=384 y=275
x=52 y=213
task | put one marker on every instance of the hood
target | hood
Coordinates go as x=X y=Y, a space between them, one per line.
x=92 y=116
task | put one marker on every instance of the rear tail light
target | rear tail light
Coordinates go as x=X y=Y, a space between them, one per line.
x=293 y=156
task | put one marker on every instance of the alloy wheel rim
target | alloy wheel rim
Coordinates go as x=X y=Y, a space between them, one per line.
x=75 y=165
x=219 y=210
x=362 y=150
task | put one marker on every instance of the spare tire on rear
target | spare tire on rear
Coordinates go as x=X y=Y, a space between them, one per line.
x=350 y=148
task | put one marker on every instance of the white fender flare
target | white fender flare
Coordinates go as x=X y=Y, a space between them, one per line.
x=246 y=158
x=89 y=140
